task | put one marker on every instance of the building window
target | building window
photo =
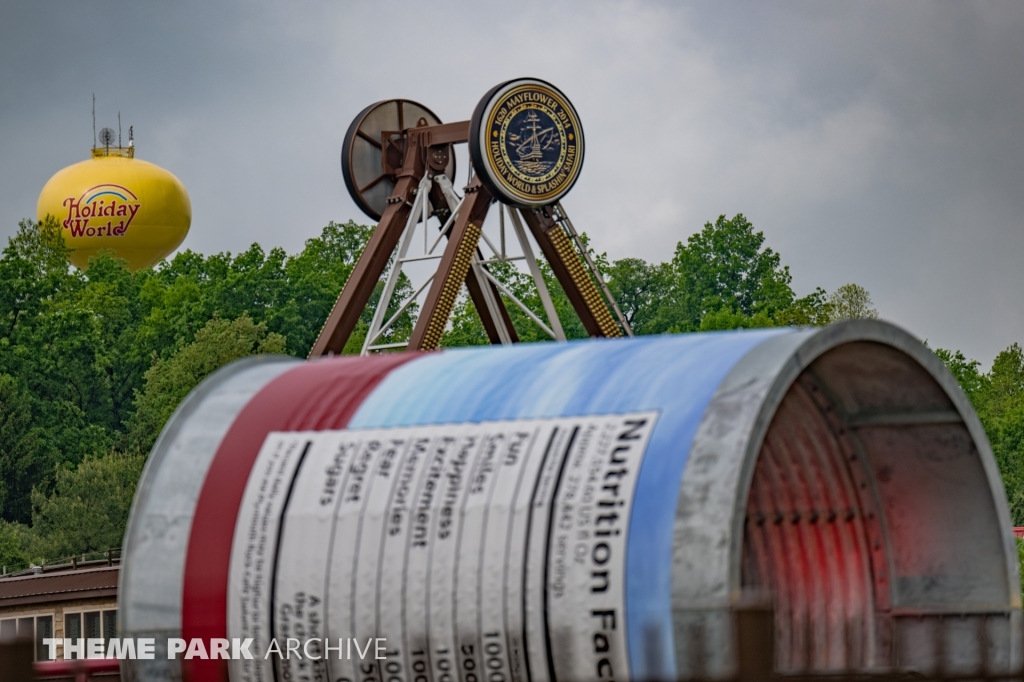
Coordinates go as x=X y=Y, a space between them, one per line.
x=91 y=625
x=44 y=630
x=73 y=626
x=109 y=625
x=36 y=628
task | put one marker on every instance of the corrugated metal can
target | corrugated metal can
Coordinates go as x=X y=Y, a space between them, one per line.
x=592 y=510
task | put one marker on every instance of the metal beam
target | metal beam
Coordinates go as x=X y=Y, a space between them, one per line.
x=563 y=217
x=486 y=300
x=489 y=306
x=904 y=418
x=538 y=277
x=376 y=324
x=452 y=270
x=566 y=265
x=447 y=133
x=368 y=270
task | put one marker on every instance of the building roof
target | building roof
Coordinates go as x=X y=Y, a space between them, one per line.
x=61 y=585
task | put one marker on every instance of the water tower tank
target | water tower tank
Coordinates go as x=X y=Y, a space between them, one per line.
x=116 y=202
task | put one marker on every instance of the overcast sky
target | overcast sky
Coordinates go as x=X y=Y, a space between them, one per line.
x=872 y=142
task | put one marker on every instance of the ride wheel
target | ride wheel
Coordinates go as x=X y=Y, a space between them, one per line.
x=374 y=148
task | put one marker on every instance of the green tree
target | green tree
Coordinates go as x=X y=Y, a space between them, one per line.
x=998 y=398
x=1001 y=398
x=292 y=295
x=811 y=310
x=729 y=318
x=724 y=270
x=1003 y=391
x=12 y=554
x=167 y=382
x=967 y=372
x=51 y=343
x=849 y=302
x=723 y=278
x=88 y=508
x=34 y=269
x=93 y=363
x=22 y=451
x=639 y=288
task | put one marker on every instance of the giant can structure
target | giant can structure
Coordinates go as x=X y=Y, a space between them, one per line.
x=590 y=510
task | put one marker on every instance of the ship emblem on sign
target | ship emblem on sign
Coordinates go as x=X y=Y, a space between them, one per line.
x=526 y=143
x=537 y=147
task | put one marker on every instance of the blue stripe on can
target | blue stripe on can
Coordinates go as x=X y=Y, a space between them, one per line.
x=674 y=375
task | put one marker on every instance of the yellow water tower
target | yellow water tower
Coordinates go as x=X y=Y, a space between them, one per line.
x=116 y=202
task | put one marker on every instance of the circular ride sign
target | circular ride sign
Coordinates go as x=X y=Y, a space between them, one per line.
x=526 y=143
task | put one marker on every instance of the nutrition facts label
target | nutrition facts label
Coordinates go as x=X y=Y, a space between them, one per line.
x=485 y=552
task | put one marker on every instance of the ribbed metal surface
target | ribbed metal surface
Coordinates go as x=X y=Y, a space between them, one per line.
x=806 y=541
x=867 y=519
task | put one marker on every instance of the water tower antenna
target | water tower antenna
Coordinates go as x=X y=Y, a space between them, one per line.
x=94 y=119
x=119 y=130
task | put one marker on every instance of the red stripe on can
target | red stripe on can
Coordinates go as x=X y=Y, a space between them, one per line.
x=313 y=396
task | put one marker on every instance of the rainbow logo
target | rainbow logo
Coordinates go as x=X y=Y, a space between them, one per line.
x=107 y=189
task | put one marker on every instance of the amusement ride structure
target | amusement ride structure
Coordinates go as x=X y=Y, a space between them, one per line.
x=526 y=146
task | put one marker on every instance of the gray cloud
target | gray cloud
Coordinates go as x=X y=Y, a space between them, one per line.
x=874 y=142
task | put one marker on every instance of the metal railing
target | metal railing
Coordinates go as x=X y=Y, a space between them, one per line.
x=81 y=670
x=87 y=560
x=16 y=665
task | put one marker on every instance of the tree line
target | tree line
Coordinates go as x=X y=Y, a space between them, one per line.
x=92 y=364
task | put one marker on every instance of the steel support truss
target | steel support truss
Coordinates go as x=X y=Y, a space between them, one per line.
x=483 y=281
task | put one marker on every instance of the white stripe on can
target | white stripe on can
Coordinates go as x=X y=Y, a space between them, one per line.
x=423 y=519
x=254 y=549
x=305 y=546
x=490 y=552
x=441 y=590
